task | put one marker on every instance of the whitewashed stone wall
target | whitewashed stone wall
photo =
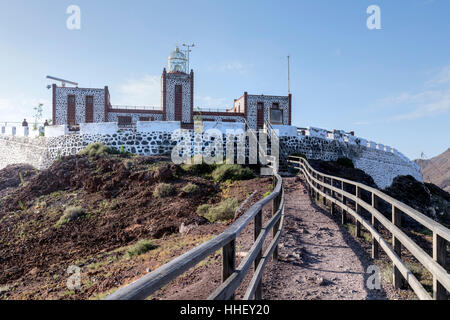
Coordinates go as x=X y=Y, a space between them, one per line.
x=223 y=126
x=99 y=128
x=80 y=100
x=43 y=151
x=157 y=126
x=252 y=107
x=382 y=166
x=56 y=131
x=15 y=149
x=283 y=131
x=173 y=79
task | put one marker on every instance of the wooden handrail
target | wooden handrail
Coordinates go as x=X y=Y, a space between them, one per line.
x=148 y=284
x=435 y=265
x=427 y=222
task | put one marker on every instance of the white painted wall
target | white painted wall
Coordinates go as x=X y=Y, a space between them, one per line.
x=10 y=131
x=157 y=126
x=99 y=128
x=371 y=144
x=285 y=130
x=22 y=131
x=223 y=126
x=56 y=131
x=33 y=133
x=316 y=132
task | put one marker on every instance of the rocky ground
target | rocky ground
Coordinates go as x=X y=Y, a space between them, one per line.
x=116 y=194
x=319 y=259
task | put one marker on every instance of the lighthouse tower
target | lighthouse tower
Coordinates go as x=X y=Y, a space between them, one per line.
x=177 y=90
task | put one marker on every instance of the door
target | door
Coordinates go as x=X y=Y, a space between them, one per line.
x=178 y=102
x=260 y=115
x=124 y=120
x=71 y=107
x=89 y=109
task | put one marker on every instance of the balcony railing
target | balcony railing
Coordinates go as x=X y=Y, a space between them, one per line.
x=117 y=107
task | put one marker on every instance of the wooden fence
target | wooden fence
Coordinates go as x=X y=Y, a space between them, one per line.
x=232 y=277
x=333 y=190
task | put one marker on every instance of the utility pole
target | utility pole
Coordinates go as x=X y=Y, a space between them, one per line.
x=289 y=74
x=189 y=46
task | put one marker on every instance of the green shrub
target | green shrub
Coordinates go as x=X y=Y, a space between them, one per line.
x=190 y=188
x=22 y=182
x=203 y=209
x=199 y=169
x=71 y=214
x=222 y=212
x=345 y=162
x=163 y=190
x=97 y=149
x=141 y=247
x=232 y=172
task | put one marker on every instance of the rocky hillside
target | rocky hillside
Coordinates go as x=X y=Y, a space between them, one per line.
x=104 y=214
x=437 y=170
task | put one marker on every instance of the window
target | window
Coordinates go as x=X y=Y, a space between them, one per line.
x=276 y=114
x=123 y=120
x=146 y=119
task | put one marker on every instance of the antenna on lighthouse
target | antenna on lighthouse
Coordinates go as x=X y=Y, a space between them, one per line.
x=189 y=46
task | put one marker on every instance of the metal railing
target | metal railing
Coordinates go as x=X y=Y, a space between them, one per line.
x=203 y=109
x=333 y=190
x=232 y=277
x=118 y=107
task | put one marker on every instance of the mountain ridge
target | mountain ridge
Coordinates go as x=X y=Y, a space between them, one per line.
x=437 y=170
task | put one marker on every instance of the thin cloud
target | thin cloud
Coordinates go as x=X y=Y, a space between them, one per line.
x=361 y=123
x=16 y=109
x=233 y=66
x=211 y=102
x=433 y=100
x=443 y=77
x=145 y=91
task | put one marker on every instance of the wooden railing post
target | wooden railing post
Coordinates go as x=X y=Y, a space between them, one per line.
x=375 y=247
x=396 y=244
x=344 y=201
x=358 y=211
x=318 y=188
x=257 y=231
x=228 y=261
x=324 y=199
x=440 y=256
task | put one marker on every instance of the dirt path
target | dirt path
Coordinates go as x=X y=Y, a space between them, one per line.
x=319 y=259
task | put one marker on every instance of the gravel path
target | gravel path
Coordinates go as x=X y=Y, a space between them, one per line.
x=319 y=259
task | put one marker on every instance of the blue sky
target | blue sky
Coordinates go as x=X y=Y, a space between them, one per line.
x=391 y=85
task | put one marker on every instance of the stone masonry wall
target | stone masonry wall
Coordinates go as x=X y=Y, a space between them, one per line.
x=40 y=152
x=381 y=165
